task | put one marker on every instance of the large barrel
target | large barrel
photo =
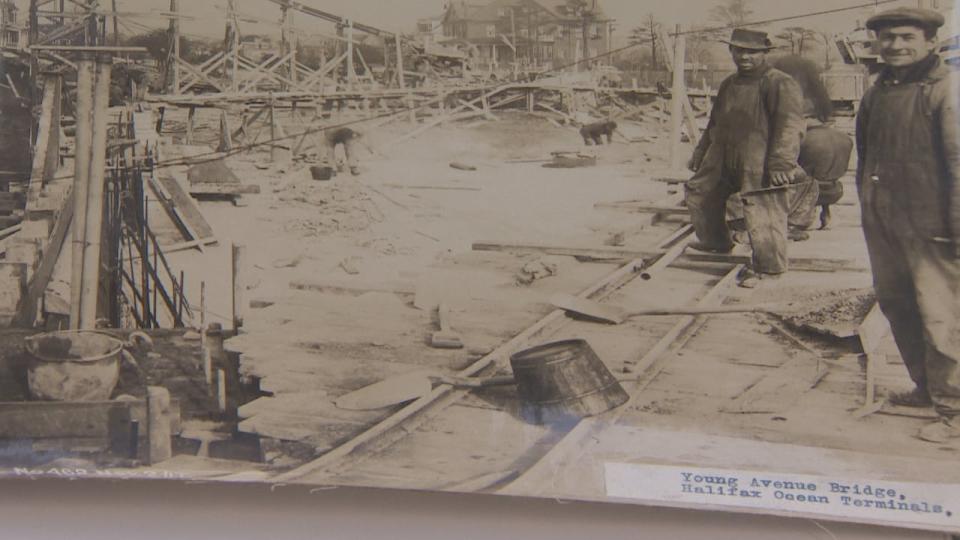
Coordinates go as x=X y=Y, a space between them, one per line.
x=73 y=366
x=564 y=381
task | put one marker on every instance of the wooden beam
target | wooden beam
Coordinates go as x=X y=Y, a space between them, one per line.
x=51 y=253
x=640 y=207
x=585 y=253
x=802 y=264
x=62 y=420
x=223 y=189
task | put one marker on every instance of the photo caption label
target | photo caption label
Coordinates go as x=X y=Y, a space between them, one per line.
x=900 y=503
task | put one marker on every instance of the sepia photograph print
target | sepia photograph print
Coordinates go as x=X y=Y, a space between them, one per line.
x=699 y=254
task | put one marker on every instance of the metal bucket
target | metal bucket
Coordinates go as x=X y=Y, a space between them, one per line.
x=321 y=172
x=564 y=381
x=73 y=366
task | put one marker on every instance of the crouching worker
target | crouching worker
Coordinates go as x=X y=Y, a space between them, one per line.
x=825 y=152
x=825 y=157
x=349 y=139
x=595 y=132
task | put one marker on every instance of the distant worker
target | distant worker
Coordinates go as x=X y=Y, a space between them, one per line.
x=346 y=137
x=908 y=176
x=750 y=146
x=596 y=131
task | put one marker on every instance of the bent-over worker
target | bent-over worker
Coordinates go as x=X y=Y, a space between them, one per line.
x=346 y=137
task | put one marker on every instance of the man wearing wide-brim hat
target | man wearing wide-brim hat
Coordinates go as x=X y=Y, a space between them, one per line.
x=908 y=145
x=750 y=147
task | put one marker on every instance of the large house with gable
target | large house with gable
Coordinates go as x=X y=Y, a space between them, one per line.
x=529 y=33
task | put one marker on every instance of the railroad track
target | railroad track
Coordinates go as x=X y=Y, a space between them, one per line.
x=663 y=335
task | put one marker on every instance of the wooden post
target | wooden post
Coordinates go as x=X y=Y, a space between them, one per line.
x=238 y=253
x=399 y=47
x=235 y=53
x=212 y=353
x=351 y=73
x=531 y=103
x=175 y=37
x=226 y=140
x=95 y=194
x=158 y=425
x=284 y=38
x=81 y=183
x=222 y=390
x=676 y=109
x=191 y=120
x=203 y=307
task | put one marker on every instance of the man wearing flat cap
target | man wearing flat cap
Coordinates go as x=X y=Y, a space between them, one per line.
x=908 y=145
x=750 y=147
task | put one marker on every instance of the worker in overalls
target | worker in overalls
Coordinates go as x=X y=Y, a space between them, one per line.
x=750 y=146
x=908 y=145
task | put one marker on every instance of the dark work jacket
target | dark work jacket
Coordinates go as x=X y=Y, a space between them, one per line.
x=757 y=122
x=908 y=145
x=340 y=135
x=825 y=152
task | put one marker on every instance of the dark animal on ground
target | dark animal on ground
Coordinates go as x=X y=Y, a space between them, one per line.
x=595 y=132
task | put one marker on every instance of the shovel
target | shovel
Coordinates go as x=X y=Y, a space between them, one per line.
x=615 y=314
x=446 y=337
x=407 y=387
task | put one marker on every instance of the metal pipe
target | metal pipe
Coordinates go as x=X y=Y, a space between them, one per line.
x=95 y=193
x=81 y=181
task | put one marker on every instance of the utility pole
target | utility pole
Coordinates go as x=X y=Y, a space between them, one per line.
x=677 y=94
x=653 y=42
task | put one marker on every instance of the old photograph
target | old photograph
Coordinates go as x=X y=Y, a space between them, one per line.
x=699 y=254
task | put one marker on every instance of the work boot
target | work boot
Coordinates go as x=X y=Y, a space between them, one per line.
x=917 y=398
x=355 y=171
x=797 y=235
x=749 y=279
x=940 y=431
x=709 y=248
x=825 y=217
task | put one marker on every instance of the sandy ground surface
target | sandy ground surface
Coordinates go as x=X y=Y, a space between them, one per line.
x=344 y=276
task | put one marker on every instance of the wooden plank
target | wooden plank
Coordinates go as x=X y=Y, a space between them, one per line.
x=163 y=197
x=640 y=207
x=801 y=264
x=871 y=332
x=321 y=433
x=588 y=253
x=223 y=189
x=186 y=208
x=873 y=329
x=60 y=420
x=779 y=390
x=399 y=288
x=27 y=314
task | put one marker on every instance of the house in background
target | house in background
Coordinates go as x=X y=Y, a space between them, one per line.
x=13 y=31
x=528 y=34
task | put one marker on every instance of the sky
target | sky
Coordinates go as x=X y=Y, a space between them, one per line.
x=208 y=15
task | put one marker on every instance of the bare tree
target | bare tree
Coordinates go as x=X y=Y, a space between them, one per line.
x=732 y=13
x=699 y=44
x=798 y=37
x=828 y=45
x=585 y=11
x=653 y=26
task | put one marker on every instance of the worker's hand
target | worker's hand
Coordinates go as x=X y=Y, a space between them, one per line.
x=694 y=164
x=781 y=178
